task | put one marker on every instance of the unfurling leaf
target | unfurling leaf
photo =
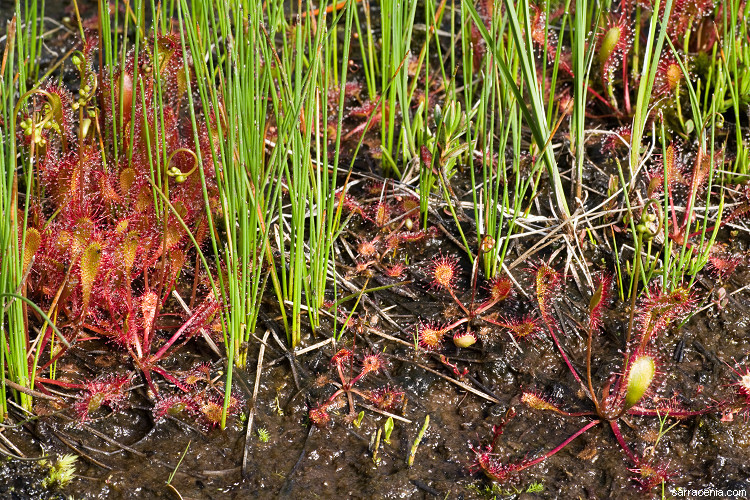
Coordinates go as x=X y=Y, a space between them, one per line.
x=640 y=376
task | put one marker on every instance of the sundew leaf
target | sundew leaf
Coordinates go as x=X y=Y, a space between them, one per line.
x=33 y=241
x=90 y=261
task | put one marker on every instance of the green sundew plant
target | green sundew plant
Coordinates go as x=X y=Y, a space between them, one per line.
x=296 y=80
x=12 y=360
x=297 y=99
x=30 y=32
x=494 y=197
x=681 y=257
x=441 y=154
x=367 y=49
x=501 y=201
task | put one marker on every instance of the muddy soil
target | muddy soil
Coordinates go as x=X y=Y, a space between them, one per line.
x=127 y=455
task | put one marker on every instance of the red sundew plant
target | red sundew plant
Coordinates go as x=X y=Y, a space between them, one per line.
x=386 y=398
x=649 y=476
x=742 y=389
x=202 y=399
x=722 y=263
x=106 y=250
x=110 y=391
x=389 y=223
x=631 y=393
x=444 y=272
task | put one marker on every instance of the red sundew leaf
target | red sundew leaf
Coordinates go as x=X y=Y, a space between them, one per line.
x=90 y=261
x=500 y=288
x=598 y=302
x=395 y=270
x=110 y=391
x=149 y=304
x=430 y=335
x=381 y=214
x=611 y=142
x=368 y=248
x=659 y=309
x=494 y=468
x=60 y=106
x=172 y=406
x=342 y=356
x=546 y=283
x=650 y=475
x=32 y=244
x=538 y=402
x=372 y=363
x=722 y=265
x=410 y=204
x=211 y=411
x=414 y=236
x=521 y=328
x=668 y=76
x=319 y=417
x=444 y=271
x=387 y=398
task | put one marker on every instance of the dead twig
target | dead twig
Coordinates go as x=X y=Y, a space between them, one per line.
x=251 y=413
x=460 y=384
